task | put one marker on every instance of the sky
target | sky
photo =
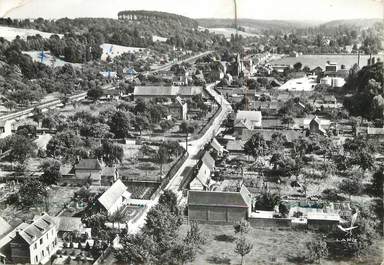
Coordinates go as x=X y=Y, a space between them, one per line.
x=319 y=10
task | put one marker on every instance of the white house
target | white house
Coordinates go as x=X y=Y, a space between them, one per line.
x=248 y=120
x=115 y=197
x=32 y=243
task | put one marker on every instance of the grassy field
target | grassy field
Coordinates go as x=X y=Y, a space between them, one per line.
x=270 y=246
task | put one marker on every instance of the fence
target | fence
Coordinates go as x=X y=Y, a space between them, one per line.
x=170 y=174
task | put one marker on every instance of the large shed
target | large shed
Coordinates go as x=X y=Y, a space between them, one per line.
x=219 y=207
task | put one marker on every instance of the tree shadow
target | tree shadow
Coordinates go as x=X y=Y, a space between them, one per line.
x=218 y=260
x=225 y=238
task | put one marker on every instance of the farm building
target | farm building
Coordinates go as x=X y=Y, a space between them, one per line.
x=219 y=207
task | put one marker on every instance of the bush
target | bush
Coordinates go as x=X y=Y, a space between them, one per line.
x=12 y=199
x=331 y=195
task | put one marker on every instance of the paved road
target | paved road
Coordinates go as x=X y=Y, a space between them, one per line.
x=193 y=148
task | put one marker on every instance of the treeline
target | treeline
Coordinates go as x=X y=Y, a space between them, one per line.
x=366 y=87
x=155 y=15
x=95 y=31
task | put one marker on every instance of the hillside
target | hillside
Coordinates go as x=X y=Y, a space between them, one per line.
x=357 y=23
x=255 y=25
x=258 y=26
x=144 y=15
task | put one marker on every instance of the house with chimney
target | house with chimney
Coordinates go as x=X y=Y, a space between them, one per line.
x=32 y=243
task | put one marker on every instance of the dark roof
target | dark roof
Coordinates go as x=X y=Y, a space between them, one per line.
x=89 y=164
x=221 y=199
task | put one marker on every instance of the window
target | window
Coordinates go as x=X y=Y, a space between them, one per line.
x=35 y=246
x=41 y=241
x=42 y=253
x=36 y=259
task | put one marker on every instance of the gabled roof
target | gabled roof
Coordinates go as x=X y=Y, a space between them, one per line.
x=220 y=199
x=208 y=161
x=68 y=224
x=244 y=123
x=4 y=226
x=315 y=120
x=253 y=116
x=216 y=145
x=110 y=196
x=11 y=235
x=39 y=226
x=93 y=164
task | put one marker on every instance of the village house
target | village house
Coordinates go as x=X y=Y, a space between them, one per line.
x=88 y=171
x=109 y=74
x=371 y=133
x=114 y=198
x=217 y=148
x=149 y=92
x=315 y=126
x=5 y=128
x=178 y=109
x=204 y=169
x=247 y=120
x=111 y=94
x=32 y=243
x=219 y=207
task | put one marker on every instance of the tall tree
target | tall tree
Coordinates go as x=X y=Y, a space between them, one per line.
x=32 y=193
x=51 y=171
x=162 y=157
x=256 y=146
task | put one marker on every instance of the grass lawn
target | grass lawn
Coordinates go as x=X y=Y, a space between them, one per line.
x=270 y=246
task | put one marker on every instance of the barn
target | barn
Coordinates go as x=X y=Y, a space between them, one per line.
x=219 y=207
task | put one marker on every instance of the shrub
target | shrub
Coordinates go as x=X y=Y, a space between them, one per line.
x=331 y=195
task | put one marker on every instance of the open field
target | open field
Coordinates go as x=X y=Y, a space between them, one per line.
x=10 y=33
x=49 y=59
x=320 y=60
x=270 y=247
x=113 y=50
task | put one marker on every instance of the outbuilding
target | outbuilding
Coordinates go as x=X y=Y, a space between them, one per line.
x=219 y=207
